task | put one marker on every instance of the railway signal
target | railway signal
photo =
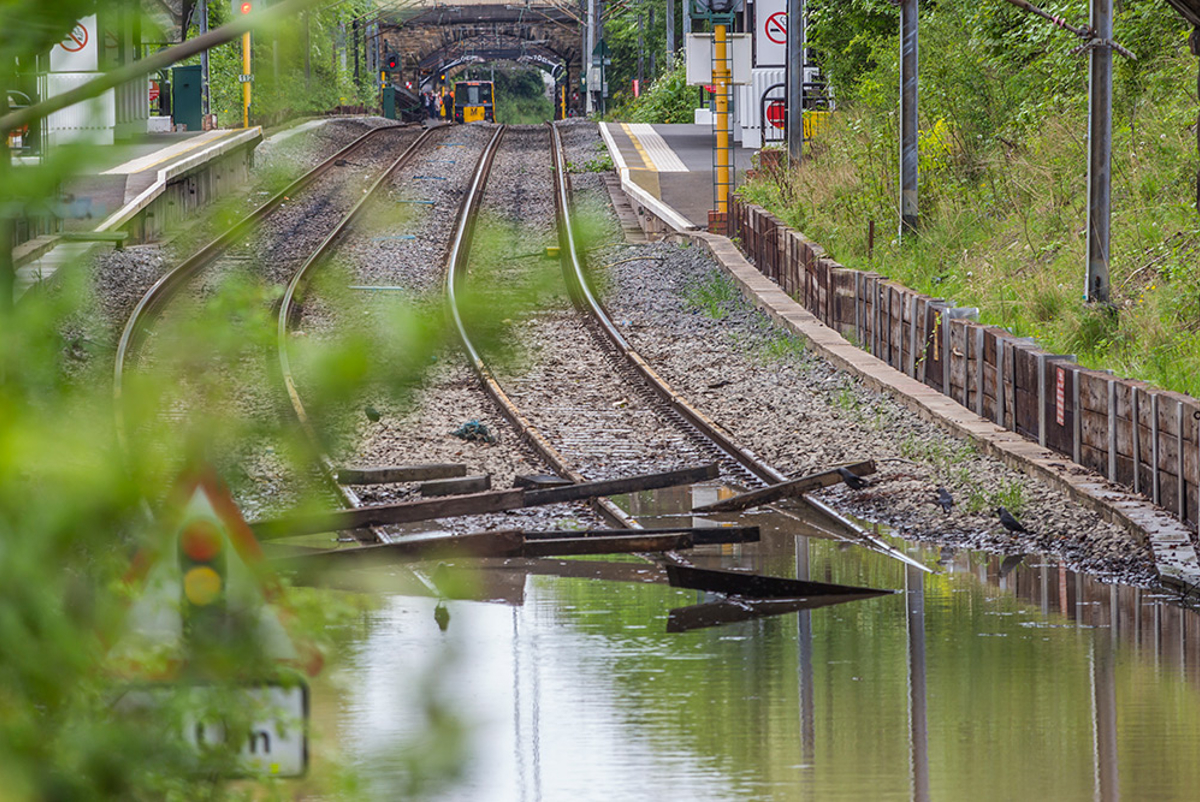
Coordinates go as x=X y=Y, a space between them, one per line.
x=392 y=60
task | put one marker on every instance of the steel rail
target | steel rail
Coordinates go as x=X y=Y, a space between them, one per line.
x=155 y=300
x=287 y=308
x=584 y=298
x=456 y=268
x=704 y=427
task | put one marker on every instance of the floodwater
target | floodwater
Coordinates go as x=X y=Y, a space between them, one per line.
x=983 y=679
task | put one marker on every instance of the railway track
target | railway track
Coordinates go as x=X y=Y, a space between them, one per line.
x=310 y=203
x=648 y=427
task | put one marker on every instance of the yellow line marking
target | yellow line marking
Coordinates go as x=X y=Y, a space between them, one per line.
x=648 y=165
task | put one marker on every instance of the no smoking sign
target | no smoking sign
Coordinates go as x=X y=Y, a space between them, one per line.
x=76 y=40
x=770 y=33
x=776 y=27
x=77 y=51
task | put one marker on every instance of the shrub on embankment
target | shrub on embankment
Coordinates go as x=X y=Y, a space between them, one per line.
x=1003 y=175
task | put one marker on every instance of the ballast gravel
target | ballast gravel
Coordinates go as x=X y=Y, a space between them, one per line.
x=802 y=415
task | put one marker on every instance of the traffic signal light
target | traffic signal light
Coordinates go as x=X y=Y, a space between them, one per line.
x=202 y=561
x=392 y=60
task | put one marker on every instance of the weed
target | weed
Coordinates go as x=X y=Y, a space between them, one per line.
x=715 y=295
x=784 y=348
x=847 y=400
x=1010 y=496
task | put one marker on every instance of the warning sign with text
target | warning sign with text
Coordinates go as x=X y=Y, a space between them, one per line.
x=770 y=33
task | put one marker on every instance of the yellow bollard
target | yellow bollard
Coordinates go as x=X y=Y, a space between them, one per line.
x=246 y=80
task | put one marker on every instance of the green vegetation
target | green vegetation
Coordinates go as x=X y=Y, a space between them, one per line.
x=303 y=66
x=520 y=96
x=601 y=163
x=668 y=100
x=715 y=295
x=1003 y=170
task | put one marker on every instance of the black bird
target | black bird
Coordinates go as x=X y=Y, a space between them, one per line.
x=372 y=413
x=944 y=500
x=442 y=616
x=852 y=479
x=1009 y=522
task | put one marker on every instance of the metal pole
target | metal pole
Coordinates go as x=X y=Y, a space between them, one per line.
x=1194 y=44
x=671 y=32
x=641 y=70
x=721 y=79
x=1100 y=153
x=589 y=48
x=795 y=80
x=908 y=117
x=653 y=53
x=205 y=97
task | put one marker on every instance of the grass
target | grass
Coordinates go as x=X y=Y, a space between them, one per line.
x=715 y=296
x=1003 y=226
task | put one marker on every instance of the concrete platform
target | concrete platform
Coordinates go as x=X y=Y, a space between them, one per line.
x=671 y=163
x=138 y=186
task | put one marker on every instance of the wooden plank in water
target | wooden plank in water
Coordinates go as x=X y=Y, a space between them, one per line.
x=729 y=611
x=754 y=586
x=351 y=475
x=612 y=544
x=458 y=486
x=472 y=504
x=792 y=487
x=503 y=542
x=614 y=487
x=380 y=514
x=701 y=535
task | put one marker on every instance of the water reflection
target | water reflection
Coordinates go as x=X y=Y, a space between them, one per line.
x=990 y=679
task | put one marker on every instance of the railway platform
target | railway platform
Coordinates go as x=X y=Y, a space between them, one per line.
x=131 y=191
x=669 y=165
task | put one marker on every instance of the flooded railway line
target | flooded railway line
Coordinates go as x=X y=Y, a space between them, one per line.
x=662 y=664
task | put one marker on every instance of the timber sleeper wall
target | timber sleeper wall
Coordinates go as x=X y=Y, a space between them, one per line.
x=1135 y=434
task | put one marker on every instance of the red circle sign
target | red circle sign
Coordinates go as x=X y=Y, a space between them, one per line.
x=776 y=27
x=76 y=40
x=776 y=113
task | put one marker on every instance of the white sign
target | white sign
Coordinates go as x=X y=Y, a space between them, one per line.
x=272 y=739
x=79 y=51
x=770 y=33
x=698 y=53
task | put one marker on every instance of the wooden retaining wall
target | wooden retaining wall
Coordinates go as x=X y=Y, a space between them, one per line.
x=1137 y=435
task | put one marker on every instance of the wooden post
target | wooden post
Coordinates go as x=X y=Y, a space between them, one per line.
x=979 y=362
x=1180 y=466
x=912 y=336
x=1000 y=416
x=1154 y=478
x=857 y=312
x=1041 y=392
x=1112 y=430
x=1077 y=431
x=1137 y=440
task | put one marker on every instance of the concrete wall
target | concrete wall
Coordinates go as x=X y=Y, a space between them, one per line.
x=1137 y=435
